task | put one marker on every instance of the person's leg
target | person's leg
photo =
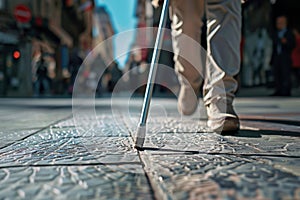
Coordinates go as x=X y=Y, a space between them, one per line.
x=46 y=86
x=223 y=62
x=276 y=74
x=285 y=82
x=37 y=85
x=186 y=32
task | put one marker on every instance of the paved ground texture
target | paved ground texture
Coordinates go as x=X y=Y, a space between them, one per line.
x=46 y=152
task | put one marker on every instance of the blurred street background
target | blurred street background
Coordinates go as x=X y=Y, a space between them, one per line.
x=54 y=144
x=43 y=44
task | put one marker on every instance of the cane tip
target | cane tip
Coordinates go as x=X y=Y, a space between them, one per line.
x=139 y=143
x=140 y=137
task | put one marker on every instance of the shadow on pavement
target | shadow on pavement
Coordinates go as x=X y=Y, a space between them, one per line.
x=279 y=121
x=260 y=133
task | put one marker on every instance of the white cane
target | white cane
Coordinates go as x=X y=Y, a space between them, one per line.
x=141 y=129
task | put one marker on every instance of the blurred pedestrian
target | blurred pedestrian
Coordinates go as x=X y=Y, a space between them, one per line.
x=42 y=83
x=296 y=59
x=136 y=70
x=223 y=19
x=74 y=66
x=113 y=74
x=283 y=44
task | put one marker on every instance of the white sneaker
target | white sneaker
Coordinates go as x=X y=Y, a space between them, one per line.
x=222 y=117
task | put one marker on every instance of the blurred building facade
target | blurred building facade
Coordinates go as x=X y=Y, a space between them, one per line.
x=102 y=56
x=101 y=31
x=148 y=19
x=53 y=29
x=57 y=29
x=36 y=28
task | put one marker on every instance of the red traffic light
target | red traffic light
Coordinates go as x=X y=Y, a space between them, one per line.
x=16 y=54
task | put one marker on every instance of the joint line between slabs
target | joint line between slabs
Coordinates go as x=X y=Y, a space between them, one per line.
x=71 y=165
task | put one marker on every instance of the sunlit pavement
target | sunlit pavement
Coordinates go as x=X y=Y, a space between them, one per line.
x=45 y=153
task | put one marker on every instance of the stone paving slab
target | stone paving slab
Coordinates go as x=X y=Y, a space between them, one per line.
x=193 y=135
x=218 y=177
x=74 y=182
x=214 y=143
x=272 y=144
x=98 y=126
x=58 y=146
x=267 y=154
x=19 y=119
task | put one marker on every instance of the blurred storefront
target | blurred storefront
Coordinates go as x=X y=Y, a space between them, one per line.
x=9 y=38
x=51 y=29
x=34 y=30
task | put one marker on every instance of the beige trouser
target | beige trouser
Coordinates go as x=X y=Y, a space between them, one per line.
x=221 y=62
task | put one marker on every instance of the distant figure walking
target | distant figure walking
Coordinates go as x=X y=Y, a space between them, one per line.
x=42 y=84
x=283 y=44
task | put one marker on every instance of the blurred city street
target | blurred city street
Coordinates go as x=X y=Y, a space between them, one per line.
x=73 y=74
x=45 y=153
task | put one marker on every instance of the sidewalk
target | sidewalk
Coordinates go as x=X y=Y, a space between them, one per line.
x=46 y=154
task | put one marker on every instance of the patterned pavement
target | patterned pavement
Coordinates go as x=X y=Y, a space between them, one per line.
x=45 y=153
